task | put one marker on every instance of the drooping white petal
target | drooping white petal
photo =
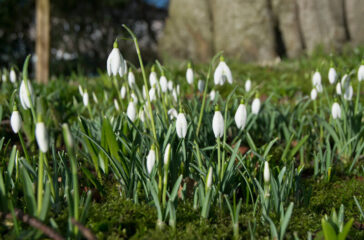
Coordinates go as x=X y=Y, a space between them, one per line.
x=189 y=76
x=201 y=85
x=361 y=73
x=256 y=106
x=116 y=104
x=12 y=76
x=172 y=113
x=167 y=153
x=240 y=116
x=319 y=88
x=336 y=110
x=218 y=79
x=153 y=79
x=348 y=95
x=15 y=121
x=313 y=94
x=209 y=178
x=24 y=99
x=218 y=124
x=181 y=126
x=123 y=68
x=338 y=88
x=248 y=85
x=41 y=136
x=212 y=95
x=227 y=73
x=131 y=79
x=150 y=160
x=85 y=99
x=332 y=75
x=114 y=62
x=163 y=83
x=170 y=85
x=316 y=79
x=131 y=111
x=266 y=172
x=152 y=94
x=123 y=92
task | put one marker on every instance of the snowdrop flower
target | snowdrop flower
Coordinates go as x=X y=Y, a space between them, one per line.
x=181 y=125
x=85 y=99
x=240 y=116
x=152 y=94
x=131 y=111
x=344 y=82
x=348 y=95
x=209 y=178
x=336 y=110
x=316 y=79
x=80 y=90
x=361 y=73
x=167 y=154
x=178 y=88
x=153 y=77
x=212 y=95
x=4 y=78
x=41 y=136
x=175 y=95
x=124 y=69
x=319 y=88
x=313 y=94
x=266 y=172
x=25 y=100
x=170 y=85
x=338 y=88
x=248 y=85
x=95 y=97
x=141 y=115
x=172 y=113
x=12 y=75
x=332 y=75
x=150 y=160
x=123 y=92
x=134 y=97
x=131 y=79
x=218 y=123
x=115 y=62
x=163 y=83
x=189 y=74
x=256 y=105
x=116 y=104
x=222 y=73
x=15 y=121
x=201 y=85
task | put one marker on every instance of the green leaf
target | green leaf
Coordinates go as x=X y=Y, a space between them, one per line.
x=284 y=223
x=328 y=230
x=346 y=230
x=28 y=191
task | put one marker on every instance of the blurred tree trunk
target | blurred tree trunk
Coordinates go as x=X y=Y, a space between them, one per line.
x=42 y=40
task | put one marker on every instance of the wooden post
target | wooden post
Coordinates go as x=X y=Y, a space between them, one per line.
x=42 y=40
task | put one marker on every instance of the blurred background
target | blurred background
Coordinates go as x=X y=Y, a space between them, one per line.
x=77 y=35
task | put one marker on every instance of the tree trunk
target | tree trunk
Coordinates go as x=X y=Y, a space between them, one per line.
x=42 y=40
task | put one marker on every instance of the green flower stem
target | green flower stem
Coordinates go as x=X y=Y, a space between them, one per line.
x=357 y=99
x=40 y=183
x=89 y=111
x=49 y=175
x=149 y=104
x=25 y=78
x=218 y=157
x=23 y=146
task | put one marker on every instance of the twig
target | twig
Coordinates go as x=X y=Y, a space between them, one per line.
x=85 y=231
x=32 y=222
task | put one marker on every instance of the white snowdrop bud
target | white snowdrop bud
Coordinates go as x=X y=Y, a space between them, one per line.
x=170 y=85
x=348 y=95
x=123 y=92
x=131 y=79
x=201 y=85
x=181 y=125
x=116 y=104
x=218 y=123
x=256 y=106
x=209 y=178
x=4 y=78
x=240 y=116
x=141 y=115
x=25 y=100
x=167 y=154
x=85 y=99
x=338 y=88
x=336 y=110
x=319 y=88
x=248 y=85
x=222 y=73
x=12 y=76
x=332 y=75
x=80 y=90
x=163 y=83
x=266 y=172
x=131 y=111
x=172 y=113
x=212 y=95
x=134 y=97
x=361 y=73
x=95 y=97
x=313 y=94
x=175 y=95
x=41 y=136
x=150 y=160
x=153 y=78
x=152 y=94
x=123 y=69
x=115 y=61
x=15 y=121
x=189 y=74
x=316 y=79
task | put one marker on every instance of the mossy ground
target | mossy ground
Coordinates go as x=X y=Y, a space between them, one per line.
x=113 y=217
